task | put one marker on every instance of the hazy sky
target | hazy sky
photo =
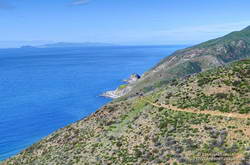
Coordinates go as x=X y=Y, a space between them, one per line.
x=120 y=21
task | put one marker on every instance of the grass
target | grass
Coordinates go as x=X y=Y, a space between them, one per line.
x=123 y=86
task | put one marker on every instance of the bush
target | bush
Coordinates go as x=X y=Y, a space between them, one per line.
x=245 y=110
x=203 y=81
x=221 y=95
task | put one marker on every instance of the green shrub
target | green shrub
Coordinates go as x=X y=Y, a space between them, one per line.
x=245 y=110
x=123 y=86
x=221 y=95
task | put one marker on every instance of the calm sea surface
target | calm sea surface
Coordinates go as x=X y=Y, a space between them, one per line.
x=42 y=90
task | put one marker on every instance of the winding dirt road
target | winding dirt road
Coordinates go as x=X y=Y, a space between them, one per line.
x=207 y=112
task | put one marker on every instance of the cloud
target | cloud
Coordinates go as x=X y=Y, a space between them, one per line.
x=80 y=2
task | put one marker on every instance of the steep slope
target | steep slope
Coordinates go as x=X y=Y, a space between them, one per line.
x=165 y=126
x=213 y=53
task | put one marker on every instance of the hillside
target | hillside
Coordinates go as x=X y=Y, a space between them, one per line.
x=201 y=119
x=213 y=53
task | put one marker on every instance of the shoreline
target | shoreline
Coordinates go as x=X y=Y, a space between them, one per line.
x=122 y=89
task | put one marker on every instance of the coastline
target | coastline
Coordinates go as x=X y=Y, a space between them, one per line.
x=122 y=89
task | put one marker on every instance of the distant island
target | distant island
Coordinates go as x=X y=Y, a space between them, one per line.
x=71 y=45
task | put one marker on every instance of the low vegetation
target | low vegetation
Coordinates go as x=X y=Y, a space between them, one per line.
x=225 y=89
x=133 y=131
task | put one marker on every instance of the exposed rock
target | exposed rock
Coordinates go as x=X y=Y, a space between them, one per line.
x=123 y=89
x=132 y=79
x=119 y=92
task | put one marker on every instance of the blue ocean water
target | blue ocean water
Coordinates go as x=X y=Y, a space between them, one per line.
x=42 y=90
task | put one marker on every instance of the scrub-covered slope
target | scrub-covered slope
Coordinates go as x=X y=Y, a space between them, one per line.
x=213 y=53
x=165 y=126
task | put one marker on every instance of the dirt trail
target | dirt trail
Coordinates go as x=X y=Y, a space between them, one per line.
x=207 y=112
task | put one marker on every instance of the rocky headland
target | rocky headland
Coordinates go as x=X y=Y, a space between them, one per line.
x=123 y=89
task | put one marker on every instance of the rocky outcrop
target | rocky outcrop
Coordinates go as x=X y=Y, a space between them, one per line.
x=123 y=89
x=132 y=79
x=119 y=92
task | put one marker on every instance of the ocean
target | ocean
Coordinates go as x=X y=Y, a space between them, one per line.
x=42 y=90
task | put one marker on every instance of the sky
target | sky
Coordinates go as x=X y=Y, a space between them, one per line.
x=130 y=22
